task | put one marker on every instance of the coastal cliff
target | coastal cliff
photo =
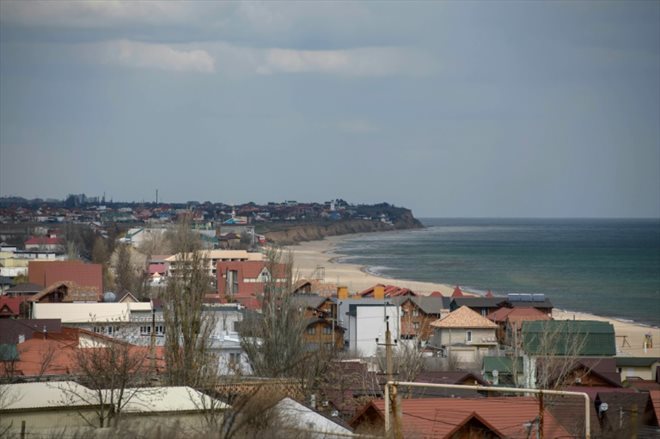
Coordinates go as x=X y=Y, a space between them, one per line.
x=315 y=231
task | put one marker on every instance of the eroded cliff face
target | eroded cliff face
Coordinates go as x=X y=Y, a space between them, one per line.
x=311 y=232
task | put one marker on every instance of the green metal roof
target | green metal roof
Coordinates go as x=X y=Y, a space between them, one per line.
x=501 y=364
x=569 y=338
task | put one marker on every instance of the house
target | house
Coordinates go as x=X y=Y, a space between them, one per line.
x=461 y=418
x=367 y=322
x=380 y=291
x=64 y=292
x=49 y=408
x=10 y=307
x=509 y=322
x=538 y=301
x=128 y=321
x=417 y=314
x=577 y=338
x=645 y=368
x=465 y=335
x=45 y=243
x=346 y=385
x=481 y=305
x=84 y=275
x=321 y=333
x=247 y=278
x=225 y=341
x=213 y=257
x=52 y=355
x=552 y=343
x=592 y=372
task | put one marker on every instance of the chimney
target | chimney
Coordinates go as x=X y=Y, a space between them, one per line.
x=379 y=292
x=342 y=292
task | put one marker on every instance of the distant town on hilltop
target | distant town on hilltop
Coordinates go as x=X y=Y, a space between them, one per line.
x=281 y=222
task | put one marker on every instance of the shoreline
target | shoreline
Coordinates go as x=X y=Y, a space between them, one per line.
x=320 y=259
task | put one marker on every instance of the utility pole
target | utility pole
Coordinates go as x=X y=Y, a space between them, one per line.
x=541 y=412
x=393 y=396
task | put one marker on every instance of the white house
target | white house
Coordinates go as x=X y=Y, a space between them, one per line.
x=367 y=321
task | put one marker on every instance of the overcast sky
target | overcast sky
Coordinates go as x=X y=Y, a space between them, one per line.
x=492 y=109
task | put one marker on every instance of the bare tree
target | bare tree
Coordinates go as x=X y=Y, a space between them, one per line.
x=275 y=343
x=124 y=272
x=112 y=372
x=187 y=329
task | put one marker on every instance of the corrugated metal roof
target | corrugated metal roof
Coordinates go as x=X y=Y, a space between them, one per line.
x=569 y=337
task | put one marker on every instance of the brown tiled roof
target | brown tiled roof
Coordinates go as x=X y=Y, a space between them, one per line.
x=441 y=417
x=84 y=275
x=517 y=315
x=463 y=317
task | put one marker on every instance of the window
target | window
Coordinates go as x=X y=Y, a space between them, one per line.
x=234 y=358
x=160 y=329
x=311 y=330
x=145 y=330
x=416 y=326
x=327 y=346
x=415 y=312
x=468 y=336
x=484 y=312
x=327 y=330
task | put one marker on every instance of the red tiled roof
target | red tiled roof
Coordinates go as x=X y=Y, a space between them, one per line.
x=489 y=294
x=44 y=240
x=84 y=275
x=157 y=268
x=436 y=294
x=56 y=354
x=10 y=306
x=441 y=417
x=457 y=292
x=517 y=315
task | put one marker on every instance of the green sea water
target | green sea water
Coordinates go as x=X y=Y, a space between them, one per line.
x=608 y=267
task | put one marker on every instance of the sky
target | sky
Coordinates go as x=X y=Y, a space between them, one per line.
x=452 y=109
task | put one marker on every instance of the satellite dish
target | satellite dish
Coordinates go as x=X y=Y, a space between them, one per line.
x=496 y=373
x=603 y=407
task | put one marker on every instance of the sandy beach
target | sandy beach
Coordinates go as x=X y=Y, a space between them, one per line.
x=319 y=259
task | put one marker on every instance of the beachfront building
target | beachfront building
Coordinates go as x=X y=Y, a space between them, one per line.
x=214 y=257
x=565 y=340
x=465 y=336
x=417 y=314
x=366 y=324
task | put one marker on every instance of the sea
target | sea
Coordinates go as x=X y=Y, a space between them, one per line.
x=607 y=267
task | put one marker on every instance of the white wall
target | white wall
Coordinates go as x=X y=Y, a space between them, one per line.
x=369 y=324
